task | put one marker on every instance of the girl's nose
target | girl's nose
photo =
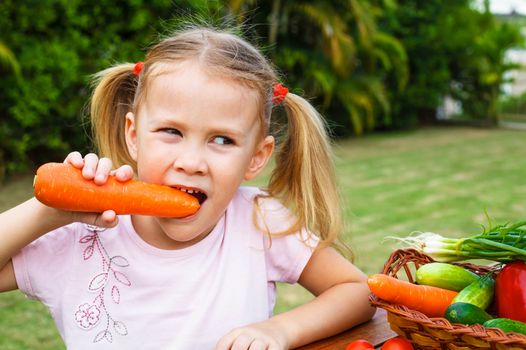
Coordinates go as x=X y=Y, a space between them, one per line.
x=190 y=161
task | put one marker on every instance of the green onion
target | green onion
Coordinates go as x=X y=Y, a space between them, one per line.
x=501 y=243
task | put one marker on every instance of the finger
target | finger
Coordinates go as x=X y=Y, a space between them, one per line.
x=225 y=342
x=274 y=346
x=258 y=345
x=103 y=170
x=107 y=219
x=90 y=166
x=124 y=173
x=242 y=342
x=75 y=159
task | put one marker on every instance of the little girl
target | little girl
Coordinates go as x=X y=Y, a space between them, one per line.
x=196 y=115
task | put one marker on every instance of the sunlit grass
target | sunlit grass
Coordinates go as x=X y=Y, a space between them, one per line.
x=441 y=180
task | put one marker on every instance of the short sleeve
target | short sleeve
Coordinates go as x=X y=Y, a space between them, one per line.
x=40 y=267
x=286 y=255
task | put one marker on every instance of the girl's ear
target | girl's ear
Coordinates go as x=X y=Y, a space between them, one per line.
x=260 y=158
x=131 y=135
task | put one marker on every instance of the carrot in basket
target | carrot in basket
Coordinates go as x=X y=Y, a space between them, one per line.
x=429 y=300
x=62 y=186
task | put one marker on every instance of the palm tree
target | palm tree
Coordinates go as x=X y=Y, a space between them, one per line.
x=335 y=50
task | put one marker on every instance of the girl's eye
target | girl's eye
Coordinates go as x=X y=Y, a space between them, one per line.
x=172 y=131
x=222 y=140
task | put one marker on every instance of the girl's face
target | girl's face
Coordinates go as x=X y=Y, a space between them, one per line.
x=200 y=133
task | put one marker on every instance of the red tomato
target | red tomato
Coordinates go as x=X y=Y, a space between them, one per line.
x=360 y=344
x=510 y=291
x=397 y=343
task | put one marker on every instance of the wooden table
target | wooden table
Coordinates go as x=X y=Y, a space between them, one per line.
x=376 y=331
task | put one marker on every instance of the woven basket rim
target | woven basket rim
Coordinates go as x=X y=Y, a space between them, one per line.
x=399 y=259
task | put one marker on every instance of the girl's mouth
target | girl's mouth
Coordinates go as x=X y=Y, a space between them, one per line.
x=199 y=195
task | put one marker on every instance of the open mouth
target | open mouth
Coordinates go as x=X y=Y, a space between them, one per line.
x=200 y=196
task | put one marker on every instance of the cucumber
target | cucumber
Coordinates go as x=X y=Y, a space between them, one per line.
x=479 y=293
x=506 y=325
x=445 y=276
x=466 y=313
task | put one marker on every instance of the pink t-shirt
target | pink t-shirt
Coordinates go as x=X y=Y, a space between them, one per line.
x=109 y=289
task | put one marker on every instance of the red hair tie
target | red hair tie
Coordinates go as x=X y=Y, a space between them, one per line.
x=138 y=68
x=279 y=94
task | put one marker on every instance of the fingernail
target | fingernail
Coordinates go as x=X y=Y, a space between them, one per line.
x=88 y=172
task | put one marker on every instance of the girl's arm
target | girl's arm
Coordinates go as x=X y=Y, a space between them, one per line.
x=20 y=226
x=342 y=299
x=341 y=302
x=26 y=222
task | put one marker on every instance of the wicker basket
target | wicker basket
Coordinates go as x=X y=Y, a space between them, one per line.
x=438 y=333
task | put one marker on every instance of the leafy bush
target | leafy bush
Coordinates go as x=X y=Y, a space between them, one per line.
x=58 y=45
x=453 y=49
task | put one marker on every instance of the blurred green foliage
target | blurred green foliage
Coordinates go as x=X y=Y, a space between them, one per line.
x=58 y=45
x=513 y=105
x=366 y=65
x=454 y=50
x=334 y=51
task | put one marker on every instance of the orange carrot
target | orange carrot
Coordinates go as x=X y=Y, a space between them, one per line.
x=62 y=186
x=429 y=300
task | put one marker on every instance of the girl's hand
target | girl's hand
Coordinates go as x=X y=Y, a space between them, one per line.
x=98 y=170
x=259 y=336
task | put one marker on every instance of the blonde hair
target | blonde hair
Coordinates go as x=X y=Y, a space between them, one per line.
x=303 y=179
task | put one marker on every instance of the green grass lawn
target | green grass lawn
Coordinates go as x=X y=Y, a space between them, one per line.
x=439 y=179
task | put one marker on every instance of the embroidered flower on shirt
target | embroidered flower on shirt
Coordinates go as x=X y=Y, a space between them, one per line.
x=88 y=315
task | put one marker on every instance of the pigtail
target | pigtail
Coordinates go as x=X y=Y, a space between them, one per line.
x=304 y=176
x=112 y=98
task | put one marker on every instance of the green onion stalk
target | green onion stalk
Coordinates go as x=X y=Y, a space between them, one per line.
x=501 y=243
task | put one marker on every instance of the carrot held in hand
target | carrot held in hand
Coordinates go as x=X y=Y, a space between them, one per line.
x=429 y=300
x=62 y=186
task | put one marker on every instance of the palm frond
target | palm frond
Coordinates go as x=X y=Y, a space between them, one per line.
x=364 y=22
x=354 y=115
x=8 y=59
x=369 y=99
x=397 y=55
x=326 y=81
x=339 y=44
x=359 y=103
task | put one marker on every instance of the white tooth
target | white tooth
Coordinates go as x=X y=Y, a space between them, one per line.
x=190 y=191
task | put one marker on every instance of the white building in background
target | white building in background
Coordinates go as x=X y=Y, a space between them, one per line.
x=449 y=108
x=517 y=85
